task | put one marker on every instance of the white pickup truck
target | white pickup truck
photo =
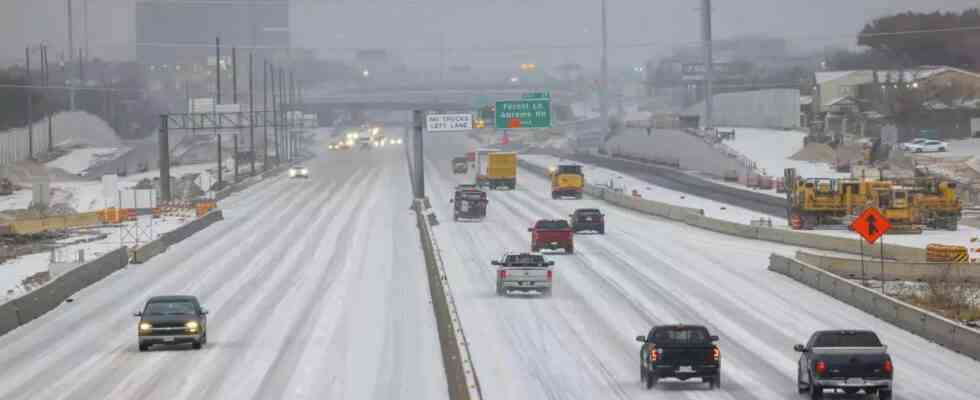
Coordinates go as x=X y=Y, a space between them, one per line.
x=524 y=272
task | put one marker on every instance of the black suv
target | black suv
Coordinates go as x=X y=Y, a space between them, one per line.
x=682 y=352
x=172 y=320
x=588 y=219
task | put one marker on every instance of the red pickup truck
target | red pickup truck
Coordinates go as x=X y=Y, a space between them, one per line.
x=552 y=234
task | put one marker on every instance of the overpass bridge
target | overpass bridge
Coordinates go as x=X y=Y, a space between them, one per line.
x=402 y=99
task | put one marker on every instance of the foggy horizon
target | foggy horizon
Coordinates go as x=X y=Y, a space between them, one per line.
x=638 y=31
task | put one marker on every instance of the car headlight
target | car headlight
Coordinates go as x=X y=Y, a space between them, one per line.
x=145 y=326
x=305 y=171
x=192 y=325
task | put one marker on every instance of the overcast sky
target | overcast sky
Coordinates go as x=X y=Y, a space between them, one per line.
x=412 y=24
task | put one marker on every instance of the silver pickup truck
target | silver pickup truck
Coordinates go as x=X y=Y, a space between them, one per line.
x=524 y=272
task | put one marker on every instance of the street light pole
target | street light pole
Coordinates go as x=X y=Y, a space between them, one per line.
x=708 y=64
x=251 y=109
x=604 y=79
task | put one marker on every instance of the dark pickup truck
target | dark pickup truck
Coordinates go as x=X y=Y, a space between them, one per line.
x=588 y=219
x=551 y=234
x=845 y=360
x=682 y=352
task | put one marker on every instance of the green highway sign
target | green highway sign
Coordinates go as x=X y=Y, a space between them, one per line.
x=532 y=113
x=536 y=95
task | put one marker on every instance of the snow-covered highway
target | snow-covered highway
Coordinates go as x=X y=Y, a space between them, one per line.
x=316 y=290
x=579 y=343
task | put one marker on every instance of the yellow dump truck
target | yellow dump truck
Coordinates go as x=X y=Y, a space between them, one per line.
x=497 y=169
x=567 y=181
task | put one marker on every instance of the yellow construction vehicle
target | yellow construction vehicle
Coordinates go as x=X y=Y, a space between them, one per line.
x=907 y=204
x=566 y=180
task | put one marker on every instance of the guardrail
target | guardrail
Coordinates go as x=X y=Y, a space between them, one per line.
x=904 y=271
x=456 y=359
x=32 y=305
x=931 y=326
x=695 y=217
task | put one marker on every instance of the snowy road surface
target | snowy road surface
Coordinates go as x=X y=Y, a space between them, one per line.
x=316 y=290
x=579 y=344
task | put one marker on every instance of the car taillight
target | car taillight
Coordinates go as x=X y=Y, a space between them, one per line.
x=820 y=367
x=503 y=274
x=654 y=353
x=888 y=367
x=551 y=275
x=715 y=355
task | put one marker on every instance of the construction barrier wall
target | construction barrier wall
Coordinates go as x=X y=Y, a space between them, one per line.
x=905 y=271
x=177 y=235
x=56 y=223
x=770 y=108
x=931 y=326
x=695 y=217
x=147 y=251
x=26 y=308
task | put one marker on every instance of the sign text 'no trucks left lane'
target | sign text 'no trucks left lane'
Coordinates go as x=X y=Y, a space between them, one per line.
x=448 y=122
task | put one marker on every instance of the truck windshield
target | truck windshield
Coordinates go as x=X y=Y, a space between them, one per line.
x=847 y=339
x=681 y=335
x=570 y=169
x=170 y=308
x=552 y=225
x=525 y=261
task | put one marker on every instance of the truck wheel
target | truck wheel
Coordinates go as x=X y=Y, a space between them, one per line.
x=500 y=290
x=144 y=347
x=602 y=231
x=800 y=386
x=570 y=250
x=816 y=392
x=546 y=292
x=651 y=379
x=716 y=381
x=885 y=394
x=554 y=196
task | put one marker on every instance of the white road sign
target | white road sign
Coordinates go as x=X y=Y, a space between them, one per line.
x=448 y=122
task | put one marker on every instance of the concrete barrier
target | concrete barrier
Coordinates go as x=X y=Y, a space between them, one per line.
x=461 y=377
x=931 y=326
x=34 y=304
x=147 y=251
x=905 y=271
x=784 y=236
x=177 y=235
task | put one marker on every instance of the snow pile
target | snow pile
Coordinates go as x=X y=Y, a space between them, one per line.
x=774 y=150
x=815 y=152
x=73 y=128
x=80 y=159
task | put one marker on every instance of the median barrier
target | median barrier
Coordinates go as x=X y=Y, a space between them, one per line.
x=39 y=301
x=929 y=325
x=147 y=251
x=9 y=319
x=175 y=236
x=894 y=270
x=784 y=236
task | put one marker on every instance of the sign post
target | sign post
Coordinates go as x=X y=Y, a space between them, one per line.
x=871 y=225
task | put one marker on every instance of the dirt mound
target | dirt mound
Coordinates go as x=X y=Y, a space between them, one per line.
x=815 y=152
x=850 y=152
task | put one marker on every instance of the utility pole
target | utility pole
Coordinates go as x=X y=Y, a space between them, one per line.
x=251 y=111
x=48 y=108
x=217 y=68
x=234 y=75
x=604 y=79
x=275 y=112
x=85 y=32
x=265 y=109
x=71 y=37
x=283 y=110
x=30 y=107
x=708 y=63
x=292 y=107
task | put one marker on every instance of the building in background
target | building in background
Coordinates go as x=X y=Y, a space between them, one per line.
x=182 y=32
